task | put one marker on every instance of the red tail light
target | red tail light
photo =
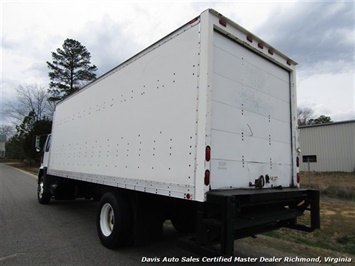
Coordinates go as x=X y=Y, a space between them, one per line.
x=207 y=177
x=298 y=178
x=208 y=153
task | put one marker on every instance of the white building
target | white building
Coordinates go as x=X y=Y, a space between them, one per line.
x=2 y=146
x=328 y=147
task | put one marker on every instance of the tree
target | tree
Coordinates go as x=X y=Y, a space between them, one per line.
x=304 y=117
x=38 y=128
x=29 y=97
x=7 y=130
x=27 y=124
x=14 y=148
x=22 y=145
x=69 y=70
x=320 y=120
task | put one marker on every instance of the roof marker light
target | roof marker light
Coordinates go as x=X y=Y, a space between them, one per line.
x=249 y=38
x=194 y=20
x=288 y=62
x=270 y=51
x=261 y=45
x=223 y=22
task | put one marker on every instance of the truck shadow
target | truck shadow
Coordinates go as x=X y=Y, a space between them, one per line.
x=81 y=209
x=82 y=215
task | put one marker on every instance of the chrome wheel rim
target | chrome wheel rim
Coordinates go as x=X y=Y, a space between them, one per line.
x=107 y=219
x=40 y=189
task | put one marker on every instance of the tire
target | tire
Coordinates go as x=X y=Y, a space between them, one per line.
x=114 y=221
x=43 y=198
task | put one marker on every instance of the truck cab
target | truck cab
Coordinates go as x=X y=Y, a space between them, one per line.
x=43 y=194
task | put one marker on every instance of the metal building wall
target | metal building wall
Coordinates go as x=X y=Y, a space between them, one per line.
x=333 y=144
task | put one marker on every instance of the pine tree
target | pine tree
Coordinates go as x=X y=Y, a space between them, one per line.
x=70 y=70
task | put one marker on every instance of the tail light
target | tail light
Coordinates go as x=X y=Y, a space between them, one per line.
x=208 y=153
x=207 y=177
x=298 y=178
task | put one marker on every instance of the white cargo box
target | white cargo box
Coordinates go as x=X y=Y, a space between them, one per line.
x=145 y=125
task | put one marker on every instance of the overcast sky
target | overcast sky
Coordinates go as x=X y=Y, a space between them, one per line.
x=319 y=35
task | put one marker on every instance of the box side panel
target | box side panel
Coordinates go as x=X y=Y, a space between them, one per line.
x=251 y=127
x=136 y=128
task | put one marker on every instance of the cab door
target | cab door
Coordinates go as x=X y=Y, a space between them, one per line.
x=46 y=149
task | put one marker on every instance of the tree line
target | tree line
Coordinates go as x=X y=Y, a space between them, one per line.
x=32 y=112
x=305 y=117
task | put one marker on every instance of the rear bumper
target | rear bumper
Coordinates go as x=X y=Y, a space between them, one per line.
x=231 y=214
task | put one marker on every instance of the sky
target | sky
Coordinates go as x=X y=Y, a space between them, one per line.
x=319 y=35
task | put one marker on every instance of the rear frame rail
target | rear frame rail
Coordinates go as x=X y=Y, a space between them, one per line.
x=233 y=214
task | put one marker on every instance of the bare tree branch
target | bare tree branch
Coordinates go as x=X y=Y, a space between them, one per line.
x=30 y=97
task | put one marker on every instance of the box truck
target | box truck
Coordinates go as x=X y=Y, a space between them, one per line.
x=199 y=128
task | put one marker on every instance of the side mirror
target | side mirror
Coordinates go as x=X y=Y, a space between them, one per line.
x=37 y=143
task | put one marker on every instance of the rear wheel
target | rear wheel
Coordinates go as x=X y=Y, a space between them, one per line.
x=114 y=220
x=43 y=198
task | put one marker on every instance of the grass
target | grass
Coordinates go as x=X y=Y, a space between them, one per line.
x=340 y=185
x=337 y=211
x=337 y=231
x=31 y=168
